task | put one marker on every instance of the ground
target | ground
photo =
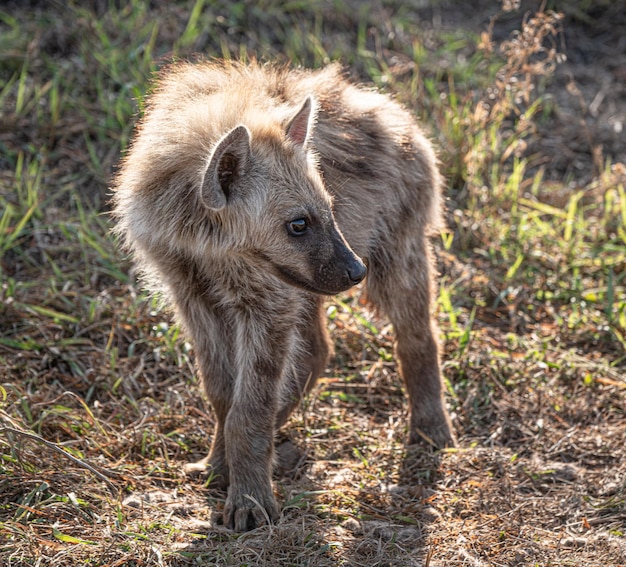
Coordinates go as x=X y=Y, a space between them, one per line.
x=99 y=405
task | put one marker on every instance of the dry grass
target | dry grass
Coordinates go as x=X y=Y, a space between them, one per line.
x=99 y=408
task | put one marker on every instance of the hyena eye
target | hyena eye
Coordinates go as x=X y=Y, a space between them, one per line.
x=297 y=227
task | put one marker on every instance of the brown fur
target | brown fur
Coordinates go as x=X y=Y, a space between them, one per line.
x=228 y=161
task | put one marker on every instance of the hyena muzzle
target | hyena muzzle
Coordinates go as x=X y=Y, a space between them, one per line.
x=248 y=194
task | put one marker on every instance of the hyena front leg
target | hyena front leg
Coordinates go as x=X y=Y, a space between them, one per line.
x=261 y=352
x=312 y=349
x=214 y=465
x=312 y=352
x=402 y=286
x=214 y=356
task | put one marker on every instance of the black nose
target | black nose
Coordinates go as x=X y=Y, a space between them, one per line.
x=357 y=272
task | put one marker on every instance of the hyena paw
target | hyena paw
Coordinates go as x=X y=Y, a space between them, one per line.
x=215 y=473
x=436 y=433
x=248 y=509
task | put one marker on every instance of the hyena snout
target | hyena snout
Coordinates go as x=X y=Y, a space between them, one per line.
x=354 y=270
x=343 y=270
x=357 y=272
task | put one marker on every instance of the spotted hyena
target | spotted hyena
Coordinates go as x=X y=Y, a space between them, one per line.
x=248 y=195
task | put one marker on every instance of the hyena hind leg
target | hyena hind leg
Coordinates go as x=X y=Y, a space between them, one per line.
x=404 y=295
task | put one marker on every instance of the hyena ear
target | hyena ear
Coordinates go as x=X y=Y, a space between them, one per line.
x=300 y=126
x=227 y=164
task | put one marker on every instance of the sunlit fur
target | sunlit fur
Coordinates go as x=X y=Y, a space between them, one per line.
x=260 y=343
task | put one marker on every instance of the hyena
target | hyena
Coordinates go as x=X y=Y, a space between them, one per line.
x=249 y=194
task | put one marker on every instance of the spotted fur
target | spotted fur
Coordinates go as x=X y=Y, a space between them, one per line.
x=228 y=164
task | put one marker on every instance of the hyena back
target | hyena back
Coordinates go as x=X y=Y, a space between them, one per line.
x=249 y=194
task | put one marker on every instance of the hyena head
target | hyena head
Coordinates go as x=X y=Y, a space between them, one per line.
x=270 y=181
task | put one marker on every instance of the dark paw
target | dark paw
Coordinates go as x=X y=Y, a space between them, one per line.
x=438 y=435
x=248 y=509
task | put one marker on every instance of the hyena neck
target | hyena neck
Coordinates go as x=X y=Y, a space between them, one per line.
x=226 y=280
